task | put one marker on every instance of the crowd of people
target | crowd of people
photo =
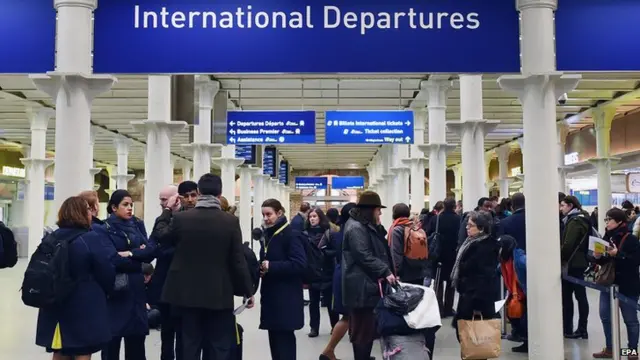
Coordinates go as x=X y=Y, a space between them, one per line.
x=340 y=256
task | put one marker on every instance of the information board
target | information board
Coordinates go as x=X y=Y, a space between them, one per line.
x=271 y=127
x=369 y=127
x=269 y=161
x=347 y=182
x=283 y=173
x=311 y=182
x=246 y=152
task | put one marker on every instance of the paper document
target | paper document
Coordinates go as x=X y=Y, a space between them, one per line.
x=597 y=245
x=241 y=308
x=499 y=304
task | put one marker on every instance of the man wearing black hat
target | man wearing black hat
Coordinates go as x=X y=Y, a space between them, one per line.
x=366 y=259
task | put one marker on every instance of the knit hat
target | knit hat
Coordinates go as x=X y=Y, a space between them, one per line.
x=370 y=199
x=116 y=199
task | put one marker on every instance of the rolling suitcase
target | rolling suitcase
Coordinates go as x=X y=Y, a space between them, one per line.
x=404 y=347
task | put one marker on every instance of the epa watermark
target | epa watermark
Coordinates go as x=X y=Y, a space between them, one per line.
x=628 y=352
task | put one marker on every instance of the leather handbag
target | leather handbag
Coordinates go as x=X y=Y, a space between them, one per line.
x=606 y=273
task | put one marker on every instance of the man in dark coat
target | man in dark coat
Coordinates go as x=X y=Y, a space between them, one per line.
x=298 y=221
x=448 y=225
x=208 y=267
x=515 y=224
x=170 y=335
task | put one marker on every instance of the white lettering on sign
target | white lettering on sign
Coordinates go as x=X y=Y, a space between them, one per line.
x=13 y=171
x=571 y=158
x=333 y=17
x=516 y=171
x=633 y=182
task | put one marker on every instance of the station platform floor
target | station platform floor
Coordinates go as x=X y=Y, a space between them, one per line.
x=18 y=326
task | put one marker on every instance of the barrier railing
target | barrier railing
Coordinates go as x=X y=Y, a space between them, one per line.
x=614 y=299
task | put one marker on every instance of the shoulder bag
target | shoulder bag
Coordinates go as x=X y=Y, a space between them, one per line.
x=606 y=273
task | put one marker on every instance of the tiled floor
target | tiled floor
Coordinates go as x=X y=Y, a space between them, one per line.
x=18 y=323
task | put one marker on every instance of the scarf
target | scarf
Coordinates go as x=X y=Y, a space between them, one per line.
x=397 y=222
x=569 y=215
x=463 y=249
x=208 y=201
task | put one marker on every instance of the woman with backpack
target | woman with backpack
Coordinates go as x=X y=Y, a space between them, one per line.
x=282 y=265
x=317 y=229
x=127 y=309
x=79 y=326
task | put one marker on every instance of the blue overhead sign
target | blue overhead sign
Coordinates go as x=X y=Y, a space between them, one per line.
x=347 y=182
x=369 y=127
x=247 y=153
x=283 y=172
x=269 y=161
x=311 y=182
x=27 y=36
x=271 y=127
x=284 y=36
x=609 y=42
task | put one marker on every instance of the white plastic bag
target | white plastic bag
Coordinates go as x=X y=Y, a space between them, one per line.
x=427 y=313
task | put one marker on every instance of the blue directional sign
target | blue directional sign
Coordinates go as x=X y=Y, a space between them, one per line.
x=369 y=127
x=271 y=127
x=246 y=152
x=613 y=30
x=284 y=36
x=27 y=36
x=347 y=182
x=311 y=182
x=283 y=173
x=269 y=161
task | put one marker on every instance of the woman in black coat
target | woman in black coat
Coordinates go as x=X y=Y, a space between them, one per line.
x=79 y=327
x=317 y=231
x=474 y=272
x=127 y=303
x=624 y=252
x=282 y=264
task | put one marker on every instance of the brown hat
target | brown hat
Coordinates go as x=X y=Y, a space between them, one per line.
x=370 y=199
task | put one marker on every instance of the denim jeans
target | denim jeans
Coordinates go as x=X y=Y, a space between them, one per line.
x=629 y=315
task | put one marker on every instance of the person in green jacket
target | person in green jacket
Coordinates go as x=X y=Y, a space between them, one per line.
x=573 y=255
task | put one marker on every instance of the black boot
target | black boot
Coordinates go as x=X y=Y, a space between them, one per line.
x=524 y=348
x=578 y=334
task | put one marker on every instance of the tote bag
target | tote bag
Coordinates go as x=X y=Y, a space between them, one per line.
x=479 y=338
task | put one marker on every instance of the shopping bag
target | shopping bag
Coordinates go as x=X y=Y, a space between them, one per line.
x=479 y=338
x=427 y=313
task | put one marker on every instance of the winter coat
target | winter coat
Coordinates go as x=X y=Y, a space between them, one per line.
x=576 y=230
x=515 y=225
x=626 y=260
x=83 y=319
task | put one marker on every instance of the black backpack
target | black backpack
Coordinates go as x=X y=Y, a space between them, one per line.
x=315 y=260
x=254 y=267
x=47 y=280
x=8 y=249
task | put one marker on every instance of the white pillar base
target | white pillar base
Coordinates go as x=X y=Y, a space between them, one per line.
x=228 y=174
x=158 y=161
x=202 y=153
x=73 y=94
x=504 y=187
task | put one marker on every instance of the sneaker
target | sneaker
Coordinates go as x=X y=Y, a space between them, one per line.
x=524 y=348
x=604 y=354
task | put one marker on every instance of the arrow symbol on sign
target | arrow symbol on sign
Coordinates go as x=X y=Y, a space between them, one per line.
x=232 y=139
x=232 y=123
x=408 y=139
x=232 y=132
x=408 y=123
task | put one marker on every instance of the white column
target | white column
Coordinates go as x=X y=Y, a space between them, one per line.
x=457 y=175
x=602 y=118
x=201 y=146
x=503 y=153
x=93 y=171
x=36 y=164
x=563 y=131
x=488 y=158
x=244 y=207
x=122 y=175
x=259 y=180
x=275 y=189
x=228 y=164
x=186 y=170
x=401 y=172
x=416 y=161
x=287 y=201
x=538 y=89
x=438 y=148
x=472 y=129
x=158 y=128
x=73 y=87
x=386 y=183
x=26 y=153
